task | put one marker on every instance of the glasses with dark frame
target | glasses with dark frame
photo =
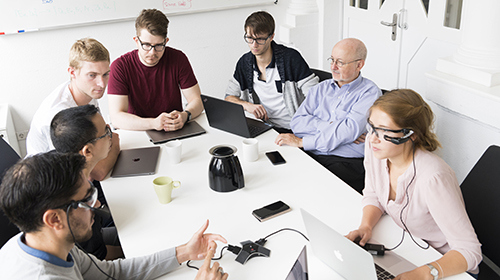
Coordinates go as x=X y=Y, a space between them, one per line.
x=260 y=41
x=384 y=131
x=148 y=47
x=108 y=133
x=86 y=203
x=339 y=62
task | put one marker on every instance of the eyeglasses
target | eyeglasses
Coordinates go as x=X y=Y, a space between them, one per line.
x=86 y=203
x=340 y=63
x=260 y=41
x=389 y=134
x=108 y=133
x=147 y=47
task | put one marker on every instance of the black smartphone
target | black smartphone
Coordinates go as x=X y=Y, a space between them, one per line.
x=270 y=211
x=275 y=157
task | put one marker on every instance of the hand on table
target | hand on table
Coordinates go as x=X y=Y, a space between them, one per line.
x=257 y=110
x=214 y=272
x=169 y=121
x=288 y=139
x=419 y=273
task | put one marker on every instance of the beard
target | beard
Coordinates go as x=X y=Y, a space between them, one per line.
x=81 y=231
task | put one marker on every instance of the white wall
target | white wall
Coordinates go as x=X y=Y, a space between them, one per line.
x=34 y=64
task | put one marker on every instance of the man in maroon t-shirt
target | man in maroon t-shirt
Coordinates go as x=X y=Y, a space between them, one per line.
x=145 y=85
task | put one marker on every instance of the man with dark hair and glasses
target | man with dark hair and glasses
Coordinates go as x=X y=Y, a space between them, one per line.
x=145 y=85
x=51 y=201
x=331 y=123
x=89 y=74
x=82 y=130
x=271 y=80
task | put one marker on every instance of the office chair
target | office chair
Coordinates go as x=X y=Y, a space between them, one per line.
x=321 y=74
x=9 y=158
x=481 y=192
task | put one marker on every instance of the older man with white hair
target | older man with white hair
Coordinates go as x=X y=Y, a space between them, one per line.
x=330 y=123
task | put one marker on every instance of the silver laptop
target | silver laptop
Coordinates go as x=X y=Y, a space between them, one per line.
x=189 y=129
x=347 y=258
x=300 y=269
x=135 y=162
x=230 y=117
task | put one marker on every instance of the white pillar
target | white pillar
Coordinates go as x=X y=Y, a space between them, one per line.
x=300 y=29
x=478 y=57
x=302 y=7
x=480 y=46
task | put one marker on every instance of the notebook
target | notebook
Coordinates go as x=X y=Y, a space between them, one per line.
x=230 y=117
x=299 y=270
x=135 y=162
x=347 y=258
x=188 y=130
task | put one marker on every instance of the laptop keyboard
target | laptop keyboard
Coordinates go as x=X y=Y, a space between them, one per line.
x=383 y=274
x=255 y=130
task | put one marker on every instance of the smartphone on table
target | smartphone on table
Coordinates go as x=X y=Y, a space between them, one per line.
x=275 y=158
x=270 y=211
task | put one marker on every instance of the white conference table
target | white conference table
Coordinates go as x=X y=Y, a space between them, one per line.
x=146 y=226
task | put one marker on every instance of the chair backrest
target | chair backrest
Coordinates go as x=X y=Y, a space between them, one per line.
x=481 y=191
x=322 y=75
x=9 y=158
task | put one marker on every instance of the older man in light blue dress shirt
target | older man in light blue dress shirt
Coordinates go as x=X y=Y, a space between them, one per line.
x=330 y=123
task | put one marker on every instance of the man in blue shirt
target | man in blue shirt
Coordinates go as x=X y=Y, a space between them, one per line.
x=330 y=123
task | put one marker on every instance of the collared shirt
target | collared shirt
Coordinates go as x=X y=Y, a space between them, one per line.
x=332 y=117
x=39 y=140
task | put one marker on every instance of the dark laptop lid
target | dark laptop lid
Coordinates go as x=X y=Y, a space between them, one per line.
x=135 y=162
x=188 y=130
x=230 y=117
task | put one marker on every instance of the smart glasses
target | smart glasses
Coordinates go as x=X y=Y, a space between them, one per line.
x=108 y=133
x=339 y=62
x=86 y=203
x=390 y=135
x=147 y=47
x=260 y=41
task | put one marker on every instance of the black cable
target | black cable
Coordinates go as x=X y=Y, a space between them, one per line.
x=405 y=228
x=80 y=247
x=213 y=259
x=291 y=229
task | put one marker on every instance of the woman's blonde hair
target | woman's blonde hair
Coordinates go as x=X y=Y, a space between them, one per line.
x=408 y=110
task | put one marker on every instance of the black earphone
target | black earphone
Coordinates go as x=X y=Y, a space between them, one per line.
x=400 y=140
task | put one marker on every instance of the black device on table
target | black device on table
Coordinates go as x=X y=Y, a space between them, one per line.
x=270 y=211
x=275 y=157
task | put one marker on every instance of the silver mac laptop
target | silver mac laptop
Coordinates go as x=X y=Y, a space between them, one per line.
x=135 y=162
x=345 y=257
x=188 y=130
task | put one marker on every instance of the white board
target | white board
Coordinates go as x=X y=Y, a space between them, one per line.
x=17 y=16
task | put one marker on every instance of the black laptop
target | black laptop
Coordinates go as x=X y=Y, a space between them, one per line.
x=230 y=117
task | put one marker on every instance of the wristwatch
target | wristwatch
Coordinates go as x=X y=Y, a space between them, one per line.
x=189 y=115
x=434 y=271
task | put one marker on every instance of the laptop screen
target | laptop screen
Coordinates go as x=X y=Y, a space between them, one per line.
x=299 y=270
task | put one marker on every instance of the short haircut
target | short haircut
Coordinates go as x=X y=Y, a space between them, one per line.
x=72 y=128
x=37 y=184
x=260 y=23
x=154 y=21
x=408 y=109
x=87 y=49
